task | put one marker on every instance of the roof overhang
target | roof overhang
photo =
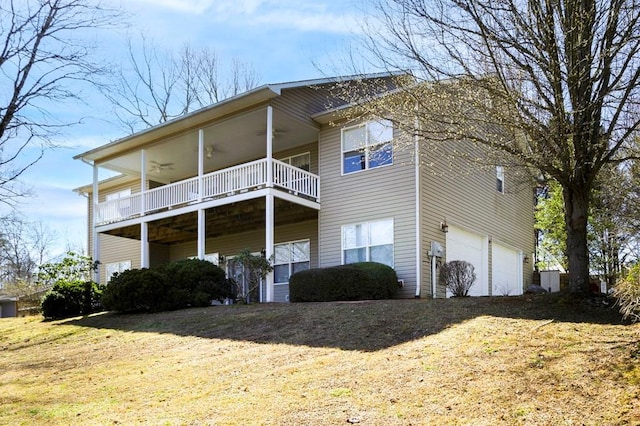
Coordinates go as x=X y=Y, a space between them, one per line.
x=181 y=124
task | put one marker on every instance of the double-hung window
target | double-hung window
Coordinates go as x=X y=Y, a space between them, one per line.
x=116 y=267
x=367 y=146
x=368 y=242
x=290 y=258
x=500 y=179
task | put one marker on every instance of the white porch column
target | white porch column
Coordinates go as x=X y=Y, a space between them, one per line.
x=269 y=146
x=143 y=183
x=200 y=164
x=201 y=233
x=269 y=239
x=144 y=245
x=95 y=237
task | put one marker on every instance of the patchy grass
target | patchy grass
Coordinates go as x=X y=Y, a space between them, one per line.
x=484 y=361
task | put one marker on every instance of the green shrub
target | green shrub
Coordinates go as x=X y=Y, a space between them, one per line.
x=71 y=298
x=176 y=285
x=358 y=281
x=138 y=290
x=202 y=280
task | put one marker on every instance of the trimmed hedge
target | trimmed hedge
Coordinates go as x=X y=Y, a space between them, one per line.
x=357 y=281
x=177 y=285
x=71 y=298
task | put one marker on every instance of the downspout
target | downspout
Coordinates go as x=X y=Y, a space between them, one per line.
x=434 y=282
x=94 y=234
x=418 y=212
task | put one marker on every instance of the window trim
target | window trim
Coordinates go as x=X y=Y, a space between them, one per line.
x=290 y=263
x=368 y=245
x=386 y=123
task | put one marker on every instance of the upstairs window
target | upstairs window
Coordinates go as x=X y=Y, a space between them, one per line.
x=367 y=146
x=500 y=179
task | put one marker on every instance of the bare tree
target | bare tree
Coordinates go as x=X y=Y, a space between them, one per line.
x=458 y=277
x=552 y=84
x=160 y=85
x=24 y=246
x=43 y=60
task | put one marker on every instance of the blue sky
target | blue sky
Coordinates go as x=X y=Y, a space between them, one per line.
x=284 y=40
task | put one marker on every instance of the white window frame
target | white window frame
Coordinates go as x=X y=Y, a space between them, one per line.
x=113 y=267
x=368 y=240
x=290 y=261
x=211 y=257
x=500 y=179
x=289 y=159
x=366 y=146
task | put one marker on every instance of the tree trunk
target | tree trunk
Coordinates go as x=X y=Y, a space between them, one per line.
x=576 y=202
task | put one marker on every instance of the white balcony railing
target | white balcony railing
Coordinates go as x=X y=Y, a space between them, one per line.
x=221 y=183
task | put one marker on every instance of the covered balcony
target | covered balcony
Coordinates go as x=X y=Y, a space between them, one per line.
x=216 y=185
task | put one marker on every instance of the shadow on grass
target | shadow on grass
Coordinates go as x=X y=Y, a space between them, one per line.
x=361 y=326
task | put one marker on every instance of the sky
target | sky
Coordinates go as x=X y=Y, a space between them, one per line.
x=284 y=40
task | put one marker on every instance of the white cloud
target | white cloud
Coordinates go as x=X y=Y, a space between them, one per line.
x=185 y=6
x=318 y=16
x=307 y=21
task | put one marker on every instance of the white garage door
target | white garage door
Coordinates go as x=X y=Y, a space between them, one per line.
x=465 y=245
x=506 y=271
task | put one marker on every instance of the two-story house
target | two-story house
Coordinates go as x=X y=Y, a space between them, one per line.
x=275 y=170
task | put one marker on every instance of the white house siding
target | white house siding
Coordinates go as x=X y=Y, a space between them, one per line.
x=465 y=195
x=382 y=193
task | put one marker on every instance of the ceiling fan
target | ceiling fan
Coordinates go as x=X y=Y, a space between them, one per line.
x=274 y=133
x=158 y=168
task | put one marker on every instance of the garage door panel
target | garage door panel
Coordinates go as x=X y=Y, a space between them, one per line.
x=468 y=246
x=505 y=272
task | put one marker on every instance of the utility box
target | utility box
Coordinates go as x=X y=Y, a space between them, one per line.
x=550 y=281
x=436 y=250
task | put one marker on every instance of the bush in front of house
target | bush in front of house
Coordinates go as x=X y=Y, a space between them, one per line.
x=458 y=276
x=140 y=290
x=176 y=285
x=71 y=298
x=358 y=281
x=202 y=280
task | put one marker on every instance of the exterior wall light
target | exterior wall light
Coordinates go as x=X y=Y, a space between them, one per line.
x=444 y=227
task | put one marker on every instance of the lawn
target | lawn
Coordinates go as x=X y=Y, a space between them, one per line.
x=539 y=360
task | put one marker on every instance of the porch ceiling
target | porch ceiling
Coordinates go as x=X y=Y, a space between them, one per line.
x=223 y=220
x=234 y=140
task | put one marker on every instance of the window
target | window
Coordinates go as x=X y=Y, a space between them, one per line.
x=500 y=179
x=301 y=161
x=112 y=268
x=123 y=207
x=119 y=194
x=290 y=258
x=368 y=242
x=367 y=146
